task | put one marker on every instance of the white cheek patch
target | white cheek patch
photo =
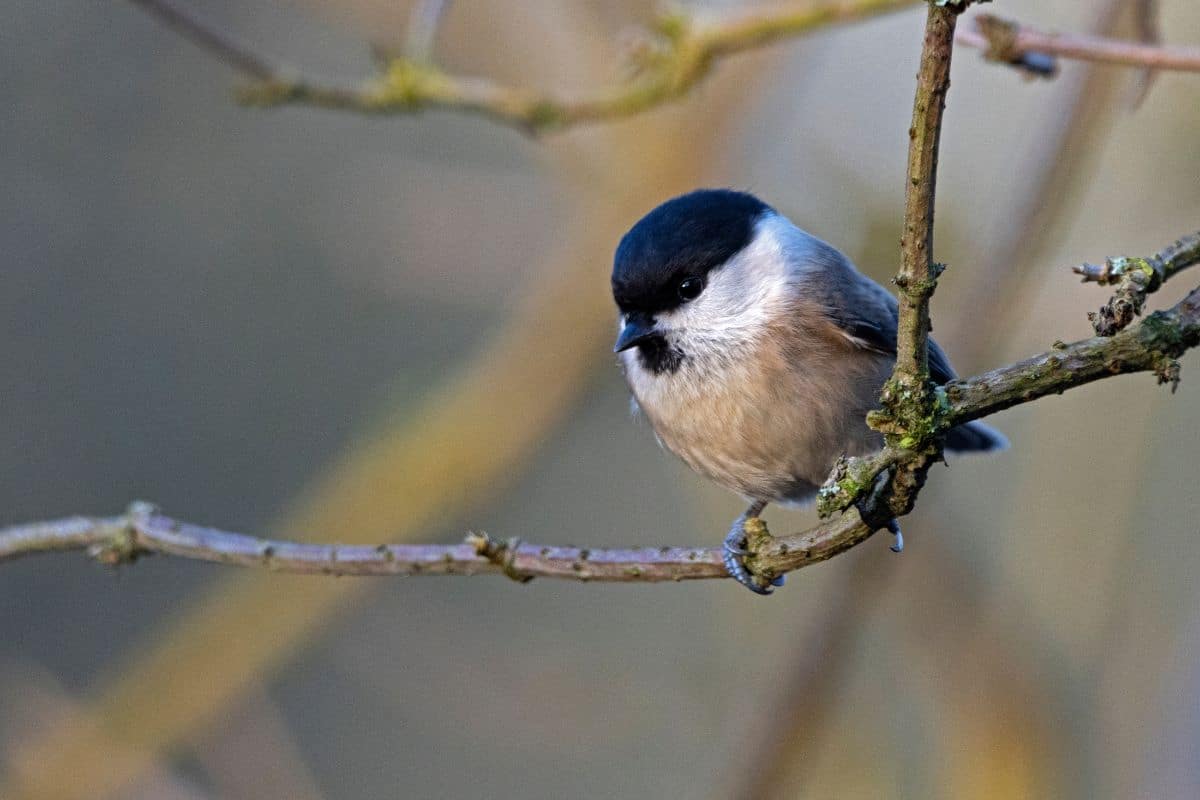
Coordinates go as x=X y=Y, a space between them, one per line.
x=739 y=300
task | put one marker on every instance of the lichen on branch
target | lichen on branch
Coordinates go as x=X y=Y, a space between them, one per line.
x=1135 y=278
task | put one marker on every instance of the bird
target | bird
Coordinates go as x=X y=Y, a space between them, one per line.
x=755 y=350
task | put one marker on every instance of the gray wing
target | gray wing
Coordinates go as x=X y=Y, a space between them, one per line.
x=866 y=312
x=871 y=322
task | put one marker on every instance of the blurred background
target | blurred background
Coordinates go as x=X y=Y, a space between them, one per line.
x=321 y=325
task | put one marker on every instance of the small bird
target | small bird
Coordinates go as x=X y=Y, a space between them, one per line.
x=756 y=350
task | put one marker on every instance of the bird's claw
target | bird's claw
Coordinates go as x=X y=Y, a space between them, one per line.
x=735 y=560
x=893 y=528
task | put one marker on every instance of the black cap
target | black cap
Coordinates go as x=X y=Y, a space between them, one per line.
x=683 y=238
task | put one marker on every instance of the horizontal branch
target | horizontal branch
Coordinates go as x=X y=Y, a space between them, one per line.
x=1150 y=346
x=1013 y=43
x=143 y=531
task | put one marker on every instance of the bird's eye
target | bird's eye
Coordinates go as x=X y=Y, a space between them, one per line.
x=690 y=288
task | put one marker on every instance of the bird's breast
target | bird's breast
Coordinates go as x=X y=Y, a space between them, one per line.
x=768 y=424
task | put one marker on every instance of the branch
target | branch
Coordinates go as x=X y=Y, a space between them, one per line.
x=679 y=54
x=910 y=408
x=918 y=274
x=1012 y=43
x=1151 y=345
x=143 y=531
x=1135 y=278
x=208 y=38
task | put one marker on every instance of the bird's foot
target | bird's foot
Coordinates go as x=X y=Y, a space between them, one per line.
x=893 y=528
x=736 y=543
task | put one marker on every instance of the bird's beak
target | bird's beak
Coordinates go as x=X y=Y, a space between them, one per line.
x=637 y=329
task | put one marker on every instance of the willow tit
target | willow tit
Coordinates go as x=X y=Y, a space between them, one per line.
x=756 y=350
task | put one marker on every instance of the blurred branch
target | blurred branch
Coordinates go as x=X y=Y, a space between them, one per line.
x=209 y=38
x=678 y=55
x=1150 y=345
x=1013 y=43
x=1145 y=18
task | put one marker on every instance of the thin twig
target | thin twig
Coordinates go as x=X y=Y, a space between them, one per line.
x=1150 y=346
x=1011 y=42
x=908 y=400
x=918 y=273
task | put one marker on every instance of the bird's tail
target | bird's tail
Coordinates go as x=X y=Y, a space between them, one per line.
x=975 y=437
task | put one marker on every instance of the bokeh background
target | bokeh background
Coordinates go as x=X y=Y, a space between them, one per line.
x=318 y=324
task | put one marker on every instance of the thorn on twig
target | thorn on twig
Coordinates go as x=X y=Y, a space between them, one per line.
x=500 y=553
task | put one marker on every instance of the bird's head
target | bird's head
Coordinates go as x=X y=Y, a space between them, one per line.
x=697 y=275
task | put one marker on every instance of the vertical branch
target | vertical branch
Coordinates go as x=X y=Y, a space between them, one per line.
x=911 y=417
x=918 y=273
